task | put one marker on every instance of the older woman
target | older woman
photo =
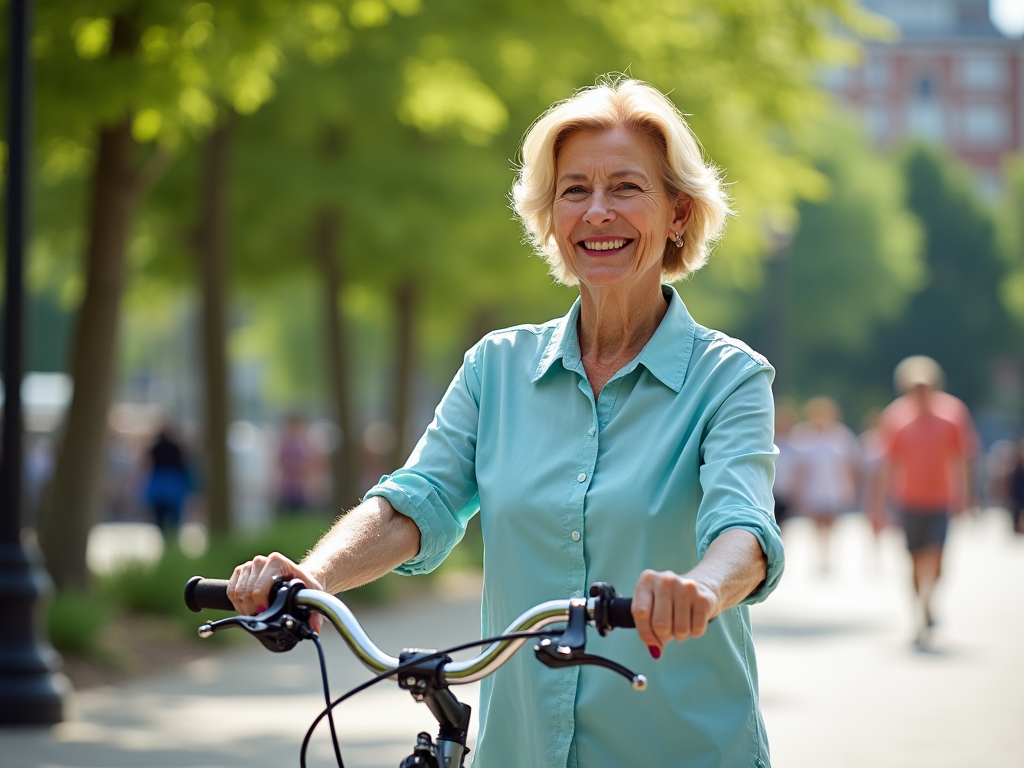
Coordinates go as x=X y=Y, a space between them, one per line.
x=623 y=443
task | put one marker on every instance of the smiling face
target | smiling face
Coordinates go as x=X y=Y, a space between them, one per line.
x=612 y=213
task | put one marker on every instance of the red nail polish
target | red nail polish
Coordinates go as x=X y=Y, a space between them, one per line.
x=655 y=651
x=260 y=608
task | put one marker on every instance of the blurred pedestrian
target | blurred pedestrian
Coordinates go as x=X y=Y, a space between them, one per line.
x=39 y=463
x=1015 y=490
x=122 y=476
x=786 y=417
x=295 y=463
x=826 y=477
x=169 y=481
x=872 y=449
x=929 y=441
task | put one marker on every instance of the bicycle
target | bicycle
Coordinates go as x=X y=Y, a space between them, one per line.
x=426 y=674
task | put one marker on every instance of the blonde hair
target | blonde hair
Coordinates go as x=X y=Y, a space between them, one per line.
x=917 y=369
x=645 y=111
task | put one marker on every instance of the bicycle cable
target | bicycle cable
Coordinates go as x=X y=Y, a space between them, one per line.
x=329 y=709
x=315 y=637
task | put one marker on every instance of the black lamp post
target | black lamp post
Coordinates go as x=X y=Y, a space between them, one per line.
x=31 y=690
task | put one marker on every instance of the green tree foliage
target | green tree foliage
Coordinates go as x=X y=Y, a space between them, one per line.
x=957 y=317
x=1012 y=232
x=854 y=263
x=431 y=108
x=857 y=255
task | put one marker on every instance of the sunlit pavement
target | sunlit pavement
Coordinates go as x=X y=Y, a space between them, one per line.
x=841 y=683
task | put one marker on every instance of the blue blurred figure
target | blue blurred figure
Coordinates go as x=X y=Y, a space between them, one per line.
x=169 y=482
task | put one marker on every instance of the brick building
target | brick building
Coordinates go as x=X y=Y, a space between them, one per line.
x=952 y=78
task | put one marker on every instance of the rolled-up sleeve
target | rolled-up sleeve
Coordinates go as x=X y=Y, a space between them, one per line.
x=738 y=470
x=437 y=486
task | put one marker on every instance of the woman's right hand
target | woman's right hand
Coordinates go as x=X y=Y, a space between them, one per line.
x=250 y=583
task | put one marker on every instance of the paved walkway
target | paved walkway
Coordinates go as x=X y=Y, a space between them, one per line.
x=841 y=684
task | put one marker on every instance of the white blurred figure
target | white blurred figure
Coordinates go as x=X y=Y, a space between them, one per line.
x=828 y=471
x=251 y=468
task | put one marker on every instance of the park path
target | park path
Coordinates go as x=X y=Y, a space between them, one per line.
x=841 y=683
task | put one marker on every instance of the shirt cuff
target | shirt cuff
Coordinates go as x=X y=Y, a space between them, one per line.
x=766 y=531
x=413 y=497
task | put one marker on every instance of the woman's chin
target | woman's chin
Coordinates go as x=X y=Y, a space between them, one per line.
x=610 y=277
x=602 y=279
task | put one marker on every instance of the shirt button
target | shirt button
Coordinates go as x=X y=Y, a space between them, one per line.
x=582 y=476
x=590 y=431
x=575 y=535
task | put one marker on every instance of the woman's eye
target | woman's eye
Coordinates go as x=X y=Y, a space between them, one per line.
x=575 y=190
x=628 y=186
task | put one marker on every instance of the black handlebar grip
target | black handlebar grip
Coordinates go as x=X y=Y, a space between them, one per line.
x=201 y=594
x=620 y=612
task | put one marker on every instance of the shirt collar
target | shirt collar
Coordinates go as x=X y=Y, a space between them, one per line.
x=666 y=355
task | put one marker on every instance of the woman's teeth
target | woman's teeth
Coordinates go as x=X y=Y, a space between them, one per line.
x=607 y=245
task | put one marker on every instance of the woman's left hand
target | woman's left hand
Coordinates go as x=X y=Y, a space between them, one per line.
x=667 y=606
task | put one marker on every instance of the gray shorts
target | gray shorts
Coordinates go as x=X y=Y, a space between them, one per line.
x=925 y=529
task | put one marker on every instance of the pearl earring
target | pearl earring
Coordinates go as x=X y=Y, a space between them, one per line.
x=678 y=240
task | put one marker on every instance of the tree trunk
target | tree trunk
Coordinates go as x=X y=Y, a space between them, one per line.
x=75 y=488
x=345 y=461
x=403 y=299
x=211 y=265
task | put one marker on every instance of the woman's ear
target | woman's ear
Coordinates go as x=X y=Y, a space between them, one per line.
x=683 y=211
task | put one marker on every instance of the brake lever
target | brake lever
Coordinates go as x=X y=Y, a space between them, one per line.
x=568 y=649
x=280 y=628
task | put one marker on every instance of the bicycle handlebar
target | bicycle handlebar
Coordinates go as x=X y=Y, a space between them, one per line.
x=202 y=594
x=611 y=612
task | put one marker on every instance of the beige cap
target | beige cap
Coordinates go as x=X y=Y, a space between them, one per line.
x=915 y=370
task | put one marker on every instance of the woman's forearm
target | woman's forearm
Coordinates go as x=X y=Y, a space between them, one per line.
x=365 y=544
x=733 y=567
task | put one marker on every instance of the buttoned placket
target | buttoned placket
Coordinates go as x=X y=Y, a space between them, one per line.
x=575 y=522
x=600 y=414
x=575 y=531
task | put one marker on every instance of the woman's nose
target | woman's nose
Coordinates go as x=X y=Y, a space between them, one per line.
x=600 y=210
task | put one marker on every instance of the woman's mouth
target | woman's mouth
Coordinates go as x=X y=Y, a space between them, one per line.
x=604 y=246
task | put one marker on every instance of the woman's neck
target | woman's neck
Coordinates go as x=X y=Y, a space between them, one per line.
x=614 y=326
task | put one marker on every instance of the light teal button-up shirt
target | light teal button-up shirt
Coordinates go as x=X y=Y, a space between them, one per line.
x=572 y=490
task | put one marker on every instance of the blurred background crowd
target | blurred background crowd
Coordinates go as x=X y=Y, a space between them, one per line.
x=268 y=230
x=827 y=468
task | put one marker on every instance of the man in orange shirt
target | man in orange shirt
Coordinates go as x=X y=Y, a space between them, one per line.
x=929 y=442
